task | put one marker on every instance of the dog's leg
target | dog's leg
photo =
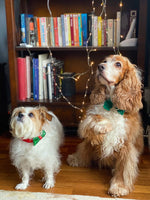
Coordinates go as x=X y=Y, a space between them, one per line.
x=125 y=172
x=83 y=156
x=49 y=178
x=25 y=180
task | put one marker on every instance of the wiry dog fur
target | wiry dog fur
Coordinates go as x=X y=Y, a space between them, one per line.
x=28 y=122
x=110 y=138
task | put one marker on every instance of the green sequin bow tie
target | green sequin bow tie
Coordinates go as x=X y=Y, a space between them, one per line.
x=35 y=140
x=108 y=105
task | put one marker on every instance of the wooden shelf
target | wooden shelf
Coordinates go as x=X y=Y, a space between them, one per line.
x=81 y=48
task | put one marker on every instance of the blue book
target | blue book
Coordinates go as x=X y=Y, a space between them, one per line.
x=80 y=29
x=63 y=31
x=35 y=79
x=84 y=18
x=24 y=26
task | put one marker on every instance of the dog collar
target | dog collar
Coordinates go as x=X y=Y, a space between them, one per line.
x=35 y=140
x=108 y=105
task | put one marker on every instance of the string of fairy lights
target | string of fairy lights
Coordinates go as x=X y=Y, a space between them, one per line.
x=89 y=50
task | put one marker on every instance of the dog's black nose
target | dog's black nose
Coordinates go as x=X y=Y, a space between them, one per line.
x=101 y=67
x=20 y=115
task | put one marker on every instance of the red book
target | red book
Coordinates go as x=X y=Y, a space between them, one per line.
x=38 y=32
x=22 y=78
x=71 y=28
x=56 y=31
x=76 y=29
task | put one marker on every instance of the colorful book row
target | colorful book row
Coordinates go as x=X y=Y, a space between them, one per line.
x=39 y=78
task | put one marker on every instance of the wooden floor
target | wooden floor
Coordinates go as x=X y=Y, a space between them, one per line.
x=72 y=180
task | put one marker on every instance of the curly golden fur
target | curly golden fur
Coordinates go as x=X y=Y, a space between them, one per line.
x=110 y=138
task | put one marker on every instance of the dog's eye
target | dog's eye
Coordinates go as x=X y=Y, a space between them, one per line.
x=118 y=64
x=31 y=114
x=104 y=61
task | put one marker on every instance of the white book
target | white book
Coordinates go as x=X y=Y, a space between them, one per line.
x=28 y=75
x=49 y=82
x=41 y=57
x=59 y=31
x=94 y=31
x=110 y=32
x=118 y=27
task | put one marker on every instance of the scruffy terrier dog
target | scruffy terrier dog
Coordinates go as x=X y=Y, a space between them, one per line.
x=37 y=136
x=111 y=129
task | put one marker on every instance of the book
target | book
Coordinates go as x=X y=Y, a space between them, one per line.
x=49 y=81
x=99 y=30
x=84 y=28
x=22 y=80
x=32 y=34
x=28 y=76
x=41 y=57
x=38 y=32
x=43 y=31
x=67 y=30
x=45 y=81
x=80 y=29
x=56 y=31
x=48 y=31
x=59 y=31
x=110 y=32
x=94 y=31
x=35 y=79
x=71 y=29
x=90 y=16
x=104 y=32
x=63 y=31
x=24 y=26
x=52 y=37
x=118 y=27
x=76 y=29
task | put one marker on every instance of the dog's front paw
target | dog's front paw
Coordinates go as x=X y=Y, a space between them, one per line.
x=117 y=190
x=21 y=186
x=73 y=160
x=48 y=184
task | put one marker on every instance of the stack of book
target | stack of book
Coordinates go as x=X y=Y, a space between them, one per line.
x=39 y=78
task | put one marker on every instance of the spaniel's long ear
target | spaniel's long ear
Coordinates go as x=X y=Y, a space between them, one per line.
x=98 y=95
x=127 y=95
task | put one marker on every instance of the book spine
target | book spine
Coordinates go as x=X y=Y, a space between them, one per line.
x=23 y=28
x=43 y=31
x=110 y=31
x=99 y=30
x=45 y=82
x=90 y=17
x=118 y=27
x=76 y=30
x=71 y=29
x=32 y=39
x=28 y=75
x=22 y=80
x=49 y=80
x=48 y=31
x=80 y=30
x=52 y=32
x=105 y=32
x=94 y=31
x=59 y=31
x=35 y=31
x=35 y=79
x=63 y=31
x=84 y=28
x=56 y=31
x=68 y=29
x=38 y=31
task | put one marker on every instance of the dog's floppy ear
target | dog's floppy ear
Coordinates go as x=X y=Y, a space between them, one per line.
x=44 y=114
x=127 y=95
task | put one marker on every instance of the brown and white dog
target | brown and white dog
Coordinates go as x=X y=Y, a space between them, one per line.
x=112 y=128
x=38 y=135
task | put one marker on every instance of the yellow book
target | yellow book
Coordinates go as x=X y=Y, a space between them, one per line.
x=99 y=29
x=69 y=30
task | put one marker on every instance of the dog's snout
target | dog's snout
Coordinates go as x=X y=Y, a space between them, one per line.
x=20 y=115
x=101 y=67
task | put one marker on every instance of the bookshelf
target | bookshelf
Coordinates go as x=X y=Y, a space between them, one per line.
x=75 y=58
